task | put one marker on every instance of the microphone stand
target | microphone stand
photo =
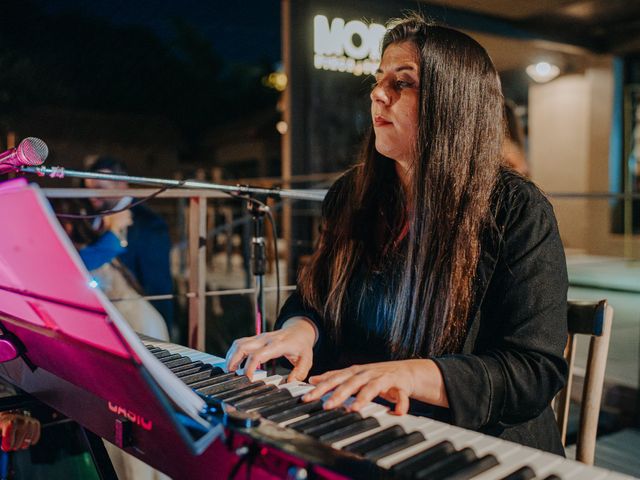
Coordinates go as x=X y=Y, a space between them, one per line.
x=257 y=209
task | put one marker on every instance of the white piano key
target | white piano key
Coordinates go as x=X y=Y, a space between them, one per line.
x=272 y=379
x=297 y=388
x=293 y=420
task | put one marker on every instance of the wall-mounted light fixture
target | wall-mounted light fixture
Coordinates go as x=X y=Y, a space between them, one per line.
x=543 y=72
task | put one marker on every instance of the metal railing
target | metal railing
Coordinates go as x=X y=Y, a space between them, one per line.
x=197 y=232
x=196 y=246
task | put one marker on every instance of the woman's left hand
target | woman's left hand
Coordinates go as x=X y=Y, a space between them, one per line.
x=392 y=381
x=395 y=381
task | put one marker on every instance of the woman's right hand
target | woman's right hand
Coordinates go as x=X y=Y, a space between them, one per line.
x=294 y=341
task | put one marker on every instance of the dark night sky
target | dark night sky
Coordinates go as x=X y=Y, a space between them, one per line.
x=242 y=31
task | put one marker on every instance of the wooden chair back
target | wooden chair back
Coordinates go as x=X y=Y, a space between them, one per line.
x=593 y=319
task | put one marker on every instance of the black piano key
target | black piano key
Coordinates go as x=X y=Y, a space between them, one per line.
x=251 y=404
x=285 y=396
x=242 y=390
x=199 y=368
x=170 y=358
x=187 y=366
x=447 y=466
x=360 y=426
x=295 y=412
x=476 y=467
x=179 y=362
x=316 y=418
x=249 y=394
x=553 y=476
x=153 y=349
x=203 y=372
x=196 y=380
x=394 y=446
x=286 y=404
x=523 y=473
x=161 y=353
x=423 y=459
x=222 y=387
x=331 y=425
x=212 y=381
x=376 y=440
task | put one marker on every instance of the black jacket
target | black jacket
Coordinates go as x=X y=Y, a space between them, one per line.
x=511 y=365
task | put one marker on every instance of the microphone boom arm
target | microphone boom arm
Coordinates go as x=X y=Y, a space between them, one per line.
x=293 y=194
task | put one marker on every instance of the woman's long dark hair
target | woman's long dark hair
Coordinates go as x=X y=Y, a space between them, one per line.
x=460 y=129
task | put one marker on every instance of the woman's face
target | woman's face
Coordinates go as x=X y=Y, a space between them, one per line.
x=394 y=103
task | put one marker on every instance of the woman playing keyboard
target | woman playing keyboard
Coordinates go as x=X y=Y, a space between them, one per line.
x=439 y=282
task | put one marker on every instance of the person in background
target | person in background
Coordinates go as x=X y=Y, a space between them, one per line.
x=513 y=153
x=439 y=281
x=148 y=243
x=99 y=250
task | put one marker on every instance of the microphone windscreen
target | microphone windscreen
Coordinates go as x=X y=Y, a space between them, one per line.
x=32 y=151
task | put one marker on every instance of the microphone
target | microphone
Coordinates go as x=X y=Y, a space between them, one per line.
x=31 y=152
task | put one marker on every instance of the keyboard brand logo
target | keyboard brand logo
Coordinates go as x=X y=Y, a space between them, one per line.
x=134 y=417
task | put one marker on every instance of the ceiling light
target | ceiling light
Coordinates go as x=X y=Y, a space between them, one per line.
x=543 y=72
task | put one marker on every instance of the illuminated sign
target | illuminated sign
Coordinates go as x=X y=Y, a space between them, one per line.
x=352 y=47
